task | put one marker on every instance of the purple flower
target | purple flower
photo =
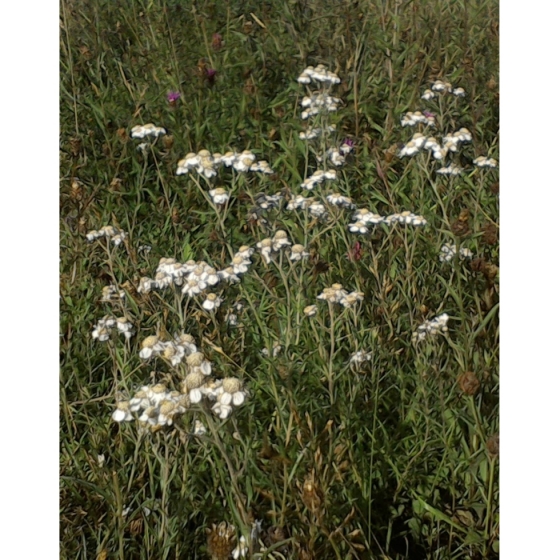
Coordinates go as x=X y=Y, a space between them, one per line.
x=429 y=114
x=173 y=96
x=211 y=75
x=348 y=142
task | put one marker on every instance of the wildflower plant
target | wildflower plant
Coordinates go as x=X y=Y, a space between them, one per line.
x=267 y=320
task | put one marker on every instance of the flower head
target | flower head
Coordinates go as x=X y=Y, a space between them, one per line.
x=173 y=96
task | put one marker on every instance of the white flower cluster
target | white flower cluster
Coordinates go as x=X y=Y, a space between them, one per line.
x=207 y=164
x=112 y=294
x=433 y=327
x=276 y=349
x=359 y=357
x=312 y=205
x=116 y=235
x=483 y=161
x=318 y=177
x=219 y=195
x=318 y=74
x=312 y=133
x=412 y=119
x=224 y=393
x=452 y=169
x=268 y=201
x=150 y=129
x=442 y=87
x=182 y=346
x=337 y=199
x=102 y=330
x=450 y=143
x=364 y=217
x=154 y=405
x=267 y=247
x=239 y=265
x=449 y=250
x=337 y=294
x=317 y=103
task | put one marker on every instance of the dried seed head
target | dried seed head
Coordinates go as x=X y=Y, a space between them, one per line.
x=136 y=526
x=490 y=235
x=221 y=540
x=493 y=446
x=469 y=383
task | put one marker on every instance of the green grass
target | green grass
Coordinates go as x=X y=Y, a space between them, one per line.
x=397 y=452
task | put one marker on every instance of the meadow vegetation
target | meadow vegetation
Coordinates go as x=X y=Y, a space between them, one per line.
x=255 y=363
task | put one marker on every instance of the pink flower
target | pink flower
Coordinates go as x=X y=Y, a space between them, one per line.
x=355 y=254
x=211 y=75
x=173 y=96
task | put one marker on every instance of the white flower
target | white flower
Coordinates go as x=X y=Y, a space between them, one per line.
x=336 y=157
x=262 y=167
x=358 y=227
x=448 y=251
x=435 y=326
x=298 y=253
x=336 y=199
x=151 y=346
x=280 y=240
x=318 y=74
x=482 y=161
x=212 y=302
x=122 y=412
x=410 y=149
x=428 y=95
x=245 y=251
x=312 y=133
x=222 y=410
x=411 y=119
x=349 y=300
x=459 y=92
x=219 y=195
x=317 y=209
x=240 y=551
x=197 y=363
x=451 y=169
x=265 y=248
x=360 y=357
x=231 y=319
x=229 y=274
x=276 y=348
x=310 y=311
x=367 y=217
x=143 y=130
x=232 y=392
x=442 y=87
x=199 y=428
x=334 y=294
x=229 y=158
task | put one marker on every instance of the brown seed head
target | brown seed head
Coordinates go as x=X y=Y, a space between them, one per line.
x=469 y=383
x=493 y=446
x=221 y=540
x=490 y=233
